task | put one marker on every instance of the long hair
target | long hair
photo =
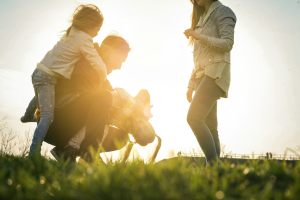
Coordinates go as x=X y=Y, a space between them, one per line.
x=85 y=16
x=116 y=42
x=197 y=12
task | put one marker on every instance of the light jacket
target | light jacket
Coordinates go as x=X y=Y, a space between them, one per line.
x=217 y=38
x=61 y=59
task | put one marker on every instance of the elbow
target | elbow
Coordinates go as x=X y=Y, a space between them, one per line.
x=229 y=46
x=225 y=48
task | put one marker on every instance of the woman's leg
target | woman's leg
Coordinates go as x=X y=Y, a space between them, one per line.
x=212 y=123
x=203 y=102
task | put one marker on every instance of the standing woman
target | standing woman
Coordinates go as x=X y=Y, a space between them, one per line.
x=212 y=35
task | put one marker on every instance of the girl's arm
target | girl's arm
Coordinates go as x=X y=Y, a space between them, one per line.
x=225 y=21
x=92 y=56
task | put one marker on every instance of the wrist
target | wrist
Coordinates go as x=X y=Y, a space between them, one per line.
x=197 y=36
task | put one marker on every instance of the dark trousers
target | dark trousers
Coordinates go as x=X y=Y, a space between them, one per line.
x=90 y=110
x=202 y=117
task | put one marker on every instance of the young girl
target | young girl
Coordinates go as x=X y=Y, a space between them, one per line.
x=59 y=62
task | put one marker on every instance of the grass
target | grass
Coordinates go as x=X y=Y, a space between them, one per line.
x=40 y=178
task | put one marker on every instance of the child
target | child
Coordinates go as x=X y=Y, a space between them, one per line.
x=59 y=62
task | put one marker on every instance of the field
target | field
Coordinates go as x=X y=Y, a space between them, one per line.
x=178 y=178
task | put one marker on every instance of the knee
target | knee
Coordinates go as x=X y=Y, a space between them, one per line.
x=192 y=118
x=47 y=119
x=105 y=96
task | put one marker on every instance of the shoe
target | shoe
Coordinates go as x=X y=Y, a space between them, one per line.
x=87 y=157
x=56 y=153
x=25 y=120
x=68 y=153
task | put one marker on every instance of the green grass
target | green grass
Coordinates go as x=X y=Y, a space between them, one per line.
x=39 y=178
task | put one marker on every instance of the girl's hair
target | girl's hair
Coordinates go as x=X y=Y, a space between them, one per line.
x=116 y=42
x=85 y=16
x=197 y=12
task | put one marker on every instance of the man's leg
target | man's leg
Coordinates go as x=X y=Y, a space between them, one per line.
x=97 y=118
x=71 y=119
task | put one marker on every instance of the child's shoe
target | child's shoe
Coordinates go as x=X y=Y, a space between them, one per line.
x=25 y=120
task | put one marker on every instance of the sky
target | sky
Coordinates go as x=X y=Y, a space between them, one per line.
x=262 y=113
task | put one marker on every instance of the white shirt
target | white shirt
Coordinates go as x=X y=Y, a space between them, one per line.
x=67 y=52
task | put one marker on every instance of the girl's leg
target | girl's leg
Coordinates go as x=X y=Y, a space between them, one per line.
x=203 y=102
x=44 y=86
x=29 y=114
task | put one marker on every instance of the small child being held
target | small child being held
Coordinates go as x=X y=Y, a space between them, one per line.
x=59 y=62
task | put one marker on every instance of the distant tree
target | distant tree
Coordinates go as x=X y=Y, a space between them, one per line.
x=11 y=142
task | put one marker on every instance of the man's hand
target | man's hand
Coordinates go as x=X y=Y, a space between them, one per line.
x=189 y=94
x=191 y=33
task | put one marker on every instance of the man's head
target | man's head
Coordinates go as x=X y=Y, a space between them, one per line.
x=113 y=51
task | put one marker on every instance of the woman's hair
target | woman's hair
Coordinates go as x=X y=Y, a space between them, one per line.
x=197 y=12
x=116 y=42
x=85 y=16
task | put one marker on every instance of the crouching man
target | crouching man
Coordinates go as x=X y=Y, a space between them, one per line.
x=93 y=115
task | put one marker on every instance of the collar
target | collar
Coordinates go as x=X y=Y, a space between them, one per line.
x=212 y=7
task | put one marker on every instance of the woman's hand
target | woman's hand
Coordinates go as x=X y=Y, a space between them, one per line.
x=189 y=94
x=191 y=33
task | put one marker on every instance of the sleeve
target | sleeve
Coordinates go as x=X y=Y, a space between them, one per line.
x=92 y=56
x=225 y=21
x=192 y=80
x=107 y=86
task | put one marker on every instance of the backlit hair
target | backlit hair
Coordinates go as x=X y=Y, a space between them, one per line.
x=116 y=42
x=84 y=17
x=197 y=12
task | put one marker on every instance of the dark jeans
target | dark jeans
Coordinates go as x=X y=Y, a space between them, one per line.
x=202 y=117
x=43 y=84
x=90 y=110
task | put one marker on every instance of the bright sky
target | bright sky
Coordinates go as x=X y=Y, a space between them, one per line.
x=262 y=112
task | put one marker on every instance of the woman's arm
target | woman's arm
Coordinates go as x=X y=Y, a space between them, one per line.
x=189 y=94
x=225 y=21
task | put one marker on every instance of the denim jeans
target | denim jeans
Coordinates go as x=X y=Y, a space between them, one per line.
x=44 y=88
x=30 y=110
x=202 y=117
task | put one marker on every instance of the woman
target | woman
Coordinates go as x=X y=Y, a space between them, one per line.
x=212 y=34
